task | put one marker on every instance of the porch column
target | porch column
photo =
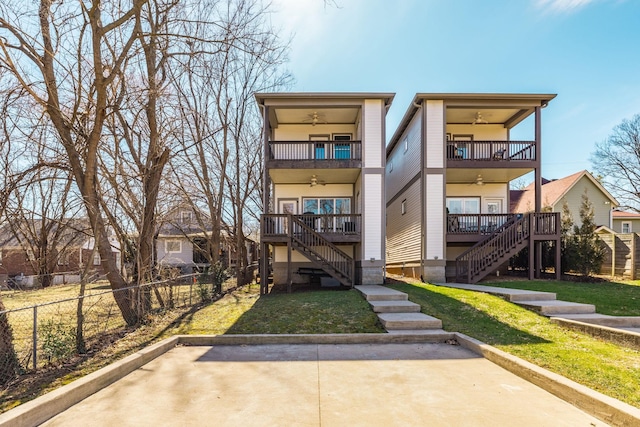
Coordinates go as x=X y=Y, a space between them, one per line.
x=264 y=253
x=537 y=267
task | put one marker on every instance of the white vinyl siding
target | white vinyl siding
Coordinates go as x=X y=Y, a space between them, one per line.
x=434 y=230
x=435 y=134
x=403 y=231
x=405 y=164
x=373 y=232
x=372 y=144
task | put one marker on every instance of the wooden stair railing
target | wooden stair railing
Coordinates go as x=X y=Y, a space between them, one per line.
x=476 y=262
x=321 y=252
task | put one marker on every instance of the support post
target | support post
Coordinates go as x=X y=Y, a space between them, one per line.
x=532 y=264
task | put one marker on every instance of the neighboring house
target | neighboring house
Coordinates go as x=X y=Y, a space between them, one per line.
x=569 y=189
x=625 y=222
x=323 y=192
x=183 y=242
x=448 y=170
x=73 y=253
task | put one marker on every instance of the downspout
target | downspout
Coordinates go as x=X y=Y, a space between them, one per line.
x=418 y=107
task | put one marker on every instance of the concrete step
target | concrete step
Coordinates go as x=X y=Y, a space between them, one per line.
x=606 y=320
x=412 y=321
x=381 y=293
x=513 y=295
x=558 y=308
x=402 y=306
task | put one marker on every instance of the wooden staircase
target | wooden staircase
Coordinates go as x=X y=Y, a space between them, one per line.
x=321 y=252
x=488 y=254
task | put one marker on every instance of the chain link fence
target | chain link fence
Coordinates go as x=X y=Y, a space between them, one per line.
x=36 y=336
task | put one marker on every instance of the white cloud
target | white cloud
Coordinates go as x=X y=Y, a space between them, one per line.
x=562 y=5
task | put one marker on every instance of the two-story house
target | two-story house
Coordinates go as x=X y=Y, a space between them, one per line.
x=448 y=170
x=323 y=194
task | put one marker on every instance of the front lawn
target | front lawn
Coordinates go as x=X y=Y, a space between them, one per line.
x=608 y=368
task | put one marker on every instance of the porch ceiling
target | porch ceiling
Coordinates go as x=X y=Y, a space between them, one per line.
x=508 y=117
x=303 y=176
x=469 y=176
x=325 y=115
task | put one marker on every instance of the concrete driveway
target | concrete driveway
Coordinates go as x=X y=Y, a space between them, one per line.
x=406 y=384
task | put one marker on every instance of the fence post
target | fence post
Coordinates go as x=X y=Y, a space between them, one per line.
x=35 y=337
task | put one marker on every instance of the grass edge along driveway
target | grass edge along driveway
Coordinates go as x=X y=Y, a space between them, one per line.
x=602 y=366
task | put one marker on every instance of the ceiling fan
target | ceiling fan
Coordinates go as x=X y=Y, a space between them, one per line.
x=479 y=120
x=315 y=118
x=315 y=181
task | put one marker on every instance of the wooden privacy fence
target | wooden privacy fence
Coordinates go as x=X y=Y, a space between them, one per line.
x=622 y=255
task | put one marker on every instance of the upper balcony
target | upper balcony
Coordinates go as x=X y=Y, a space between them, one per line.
x=314 y=154
x=491 y=154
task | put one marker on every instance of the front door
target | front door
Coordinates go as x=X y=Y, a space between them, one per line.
x=287 y=206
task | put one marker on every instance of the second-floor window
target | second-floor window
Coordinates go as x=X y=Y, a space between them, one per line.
x=186 y=217
x=626 y=227
x=463 y=205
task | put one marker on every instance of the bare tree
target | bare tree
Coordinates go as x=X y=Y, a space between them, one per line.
x=617 y=159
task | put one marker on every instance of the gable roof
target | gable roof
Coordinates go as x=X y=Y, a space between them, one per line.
x=553 y=191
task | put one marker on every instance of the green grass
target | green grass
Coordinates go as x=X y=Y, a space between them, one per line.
x=613 y=298
x=312 y=312
x=608 y=368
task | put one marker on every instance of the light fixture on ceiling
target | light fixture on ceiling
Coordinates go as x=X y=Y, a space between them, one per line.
x=315 y=181
x=479 y=120
x=479 y=180
x=314 y=119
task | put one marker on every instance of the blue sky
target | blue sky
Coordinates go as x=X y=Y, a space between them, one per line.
x=586 y=51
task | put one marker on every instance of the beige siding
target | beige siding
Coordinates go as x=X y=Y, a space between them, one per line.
x=601 y=210
x=483 y=132
x=373 y=232
x=403 y=231
x=635 y=225
x=435 y=134
x=434 y=227
x=372 y=144
x=486 y=193
x=302 y=132
x=406 y=164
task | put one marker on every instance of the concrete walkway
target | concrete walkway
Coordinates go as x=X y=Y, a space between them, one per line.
x=622 y=329
x=322 y=385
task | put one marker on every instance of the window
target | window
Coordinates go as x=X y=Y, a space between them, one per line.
x=30 y=255
x=63 y=258
x=328 y=206
x=173 y=246
x=463 y=205
x=403 y=207
x=96 y=259
x=406 y=144
x=626 y=227
x=186 y=216
x=390 y=166
x=342 y=151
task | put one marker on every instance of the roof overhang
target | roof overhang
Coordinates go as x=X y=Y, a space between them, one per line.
x=506 y=109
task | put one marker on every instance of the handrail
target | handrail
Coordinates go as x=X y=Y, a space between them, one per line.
x=486 y=251
x=504 y=239
x=277 y=225
x=491 y=150
x=315 y=150
x=476 y=223
x=324 y=250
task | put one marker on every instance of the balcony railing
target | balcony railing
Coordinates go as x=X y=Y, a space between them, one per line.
x=315 y=150
x=491 y=150
x=466 y=224
x=277 y=225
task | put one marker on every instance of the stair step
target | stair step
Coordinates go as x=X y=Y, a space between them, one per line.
x=413 y=321
x=402 y=306
x=557 y=308
x=381 y=293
